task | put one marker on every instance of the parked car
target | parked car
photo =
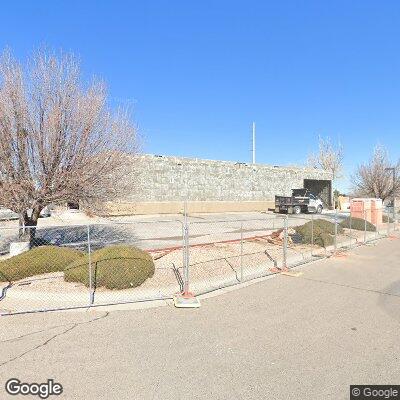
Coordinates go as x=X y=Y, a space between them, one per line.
x=7 y=214
x=44 y=213
x=301 y=201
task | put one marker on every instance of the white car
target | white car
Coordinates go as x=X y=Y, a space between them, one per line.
x=7 y=214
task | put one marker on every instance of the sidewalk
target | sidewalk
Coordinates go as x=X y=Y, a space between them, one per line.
x=306 y=337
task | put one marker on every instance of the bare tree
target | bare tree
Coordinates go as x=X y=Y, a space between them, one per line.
x=59 y=142
x=329 y=158
x=373 y=180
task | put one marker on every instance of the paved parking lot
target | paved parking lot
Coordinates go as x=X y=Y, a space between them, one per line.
x=306 y=337
x=148 y=232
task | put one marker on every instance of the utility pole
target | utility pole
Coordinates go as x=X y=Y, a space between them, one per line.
x=254 y=143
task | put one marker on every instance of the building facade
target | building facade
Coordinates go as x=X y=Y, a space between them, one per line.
x=160 y=184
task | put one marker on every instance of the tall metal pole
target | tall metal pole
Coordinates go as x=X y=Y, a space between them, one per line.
x=254 y=142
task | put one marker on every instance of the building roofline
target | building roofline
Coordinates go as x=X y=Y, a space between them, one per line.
x=239 y=163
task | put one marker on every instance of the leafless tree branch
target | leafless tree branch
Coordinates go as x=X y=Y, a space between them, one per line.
x=329 y=157
x=59 y=142
x=373 y=180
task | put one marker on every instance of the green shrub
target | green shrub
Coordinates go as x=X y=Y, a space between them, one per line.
x=357 y=224
x=324 y=232
x=113 y=267
x=39 y=260
x=385 y=219
x=321 y=238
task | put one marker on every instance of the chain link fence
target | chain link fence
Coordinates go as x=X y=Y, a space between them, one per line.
x=72 y=266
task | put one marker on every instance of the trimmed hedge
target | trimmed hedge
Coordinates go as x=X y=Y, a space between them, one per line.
x=113 y=267
x=324 y=232
x=357 y=224
x=39 y=260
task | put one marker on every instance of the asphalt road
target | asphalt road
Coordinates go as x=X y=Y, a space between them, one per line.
x=306 y=337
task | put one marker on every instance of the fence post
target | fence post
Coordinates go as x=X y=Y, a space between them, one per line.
x=183 y=248
x=185 y=299
x=91 y=292
x=241 y=251
x=351 y=231
x=285 y=241
x=186 y=266
x=394 y=215
x=312 y=234
x=388 y=223
x=335 y=242
x=365 y=226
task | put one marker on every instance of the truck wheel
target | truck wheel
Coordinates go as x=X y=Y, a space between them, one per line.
x=319 y=209
x=296 y=210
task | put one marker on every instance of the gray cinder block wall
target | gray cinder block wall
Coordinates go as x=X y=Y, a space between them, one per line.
x=160 y=181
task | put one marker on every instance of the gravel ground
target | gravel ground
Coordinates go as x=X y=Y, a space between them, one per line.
x=211 y=266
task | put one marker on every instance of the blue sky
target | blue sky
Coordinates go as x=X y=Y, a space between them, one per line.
x=199 y=72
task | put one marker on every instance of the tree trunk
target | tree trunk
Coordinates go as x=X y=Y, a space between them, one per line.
x=27 y=226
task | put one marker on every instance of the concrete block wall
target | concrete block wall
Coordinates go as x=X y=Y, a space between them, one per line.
x=167 y=180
